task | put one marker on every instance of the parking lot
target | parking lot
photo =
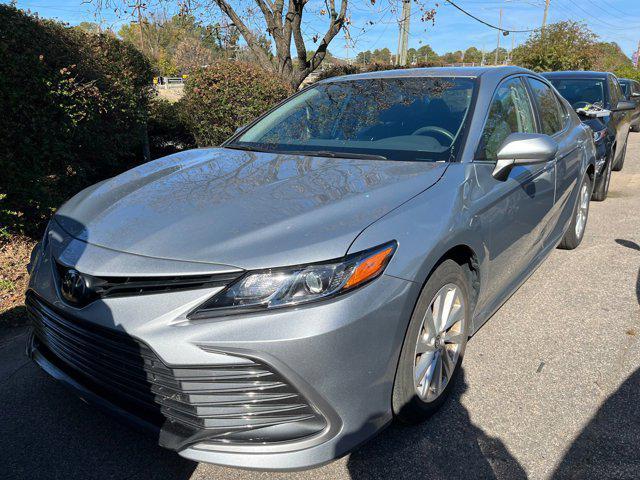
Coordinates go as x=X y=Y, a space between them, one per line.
x=551 y=386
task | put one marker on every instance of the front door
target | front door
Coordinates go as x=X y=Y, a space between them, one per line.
x=516 y=212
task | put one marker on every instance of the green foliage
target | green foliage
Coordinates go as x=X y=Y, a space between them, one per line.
x=176 y=45
x=609 y=57
x=74 y=105
x=560 y=46
x=628 y=71
x=226 y=95
x=167 y=128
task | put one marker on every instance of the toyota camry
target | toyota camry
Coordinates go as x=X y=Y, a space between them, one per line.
x=274 y=302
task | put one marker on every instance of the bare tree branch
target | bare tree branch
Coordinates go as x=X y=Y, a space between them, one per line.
x=248 y=35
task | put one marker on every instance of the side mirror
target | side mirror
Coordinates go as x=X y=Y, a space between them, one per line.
x=625 y=105
x=635 y=95
x=523 y=149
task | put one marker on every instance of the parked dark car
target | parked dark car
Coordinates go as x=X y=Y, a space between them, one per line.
x=601 y=189
x=581 y=89
x=631 y=89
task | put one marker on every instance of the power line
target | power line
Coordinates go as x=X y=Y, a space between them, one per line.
x=607 y=24
x=487 y=23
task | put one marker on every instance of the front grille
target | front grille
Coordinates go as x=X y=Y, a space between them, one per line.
x=105 y=287
x=243 y=401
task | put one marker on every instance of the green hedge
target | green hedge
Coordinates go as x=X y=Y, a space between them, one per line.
x=222 y=97
x=168 y=129
x=74 y=109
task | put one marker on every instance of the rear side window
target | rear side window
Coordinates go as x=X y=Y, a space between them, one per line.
x=625 y=88
x=510 y=112
x=615 y=92
x=551 y=112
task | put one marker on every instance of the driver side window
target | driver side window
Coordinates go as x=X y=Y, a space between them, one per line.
x=510 y=112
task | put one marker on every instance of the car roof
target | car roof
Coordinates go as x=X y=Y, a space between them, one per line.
x=468 y=72
x=577 y=74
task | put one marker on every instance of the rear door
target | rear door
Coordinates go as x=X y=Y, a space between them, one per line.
x=554 y=121
x=620 y=119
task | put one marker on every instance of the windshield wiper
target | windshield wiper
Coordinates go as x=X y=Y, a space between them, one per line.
x=247 y=148
x=309 y=153
x=330 y=154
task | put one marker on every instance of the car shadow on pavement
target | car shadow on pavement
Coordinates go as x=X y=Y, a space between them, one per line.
x=47 y=432
x=448 y=445
x=609 y=446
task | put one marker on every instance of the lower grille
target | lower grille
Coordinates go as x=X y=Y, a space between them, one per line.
x=244 y=401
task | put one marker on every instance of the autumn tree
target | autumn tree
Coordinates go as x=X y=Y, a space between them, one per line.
x=284 y=23
x=609 y=57
x=560 y=46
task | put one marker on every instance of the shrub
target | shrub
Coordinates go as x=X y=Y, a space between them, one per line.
x=338 y=71
x=224 y=96
x=167 y=128
x=74 y=106
x=347 y=69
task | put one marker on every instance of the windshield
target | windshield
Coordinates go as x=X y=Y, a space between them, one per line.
x=413 y=118
x=580 y=92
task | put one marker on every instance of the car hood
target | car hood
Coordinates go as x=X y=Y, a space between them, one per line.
x=244 y=209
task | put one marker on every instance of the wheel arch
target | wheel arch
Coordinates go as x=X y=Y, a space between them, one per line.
x=465 y=256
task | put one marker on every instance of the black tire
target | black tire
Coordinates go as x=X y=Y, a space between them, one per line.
x=620 y=163
x=572 y=238
x=601 y=188
x=407 y=404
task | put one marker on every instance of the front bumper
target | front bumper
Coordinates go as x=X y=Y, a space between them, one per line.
x=334 y=362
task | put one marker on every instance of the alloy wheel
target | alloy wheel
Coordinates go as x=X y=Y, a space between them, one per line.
x=439 y=343
x=583 y=210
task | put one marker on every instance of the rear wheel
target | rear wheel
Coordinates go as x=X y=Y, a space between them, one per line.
x=574 y=234
x=434 y=344
x=620 y=163
x=635 y=128
x=601 y=188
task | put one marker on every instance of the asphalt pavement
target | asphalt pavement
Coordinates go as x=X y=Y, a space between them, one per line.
x=551 y=387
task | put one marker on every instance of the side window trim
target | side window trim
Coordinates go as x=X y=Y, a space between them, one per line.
x=476 y=153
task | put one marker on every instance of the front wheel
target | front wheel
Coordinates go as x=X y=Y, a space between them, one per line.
x=574 y=234
x=601 y=188
x=434 y=344
x=620 y=163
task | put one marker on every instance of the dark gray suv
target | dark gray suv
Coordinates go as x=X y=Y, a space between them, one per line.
x=274 y=302
x=631 y=90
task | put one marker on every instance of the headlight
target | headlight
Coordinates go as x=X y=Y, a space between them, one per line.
x=282 y=287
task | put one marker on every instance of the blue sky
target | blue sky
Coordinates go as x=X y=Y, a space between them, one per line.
x=612 y=20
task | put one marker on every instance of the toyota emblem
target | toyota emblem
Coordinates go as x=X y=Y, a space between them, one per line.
x=73 y=286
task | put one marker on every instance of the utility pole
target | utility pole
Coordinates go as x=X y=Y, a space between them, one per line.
x=546 y=11
x=483 y=53
x=513 y=41
x=138 y=7
x=403 y=40
x=499 y=33
x=637 y=59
